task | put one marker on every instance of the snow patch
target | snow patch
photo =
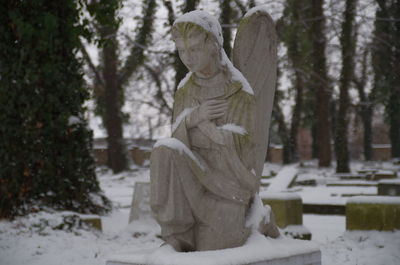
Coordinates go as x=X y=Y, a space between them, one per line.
x=72 y=120
x=184 y=80
x=285 y=196
x=284 y=178
x=374 y=200
x=258 y=212
x=256 y=249
x=390 y=181
x=233 y=128
x=261 y=8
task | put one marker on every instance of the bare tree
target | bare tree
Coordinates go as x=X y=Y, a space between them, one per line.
x=111 y=78
x=347 y=41
x=321 y=84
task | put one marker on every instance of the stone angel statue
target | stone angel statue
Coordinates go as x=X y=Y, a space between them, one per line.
x=205 y=178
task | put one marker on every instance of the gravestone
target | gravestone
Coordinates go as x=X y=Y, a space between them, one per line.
x=140 y=207
x=389 y=187
x=288 y=210
x=380 y=213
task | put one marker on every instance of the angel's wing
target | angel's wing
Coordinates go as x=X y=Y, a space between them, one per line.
x=255 y=55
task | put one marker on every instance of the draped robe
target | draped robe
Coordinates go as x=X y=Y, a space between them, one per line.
x=200 y=196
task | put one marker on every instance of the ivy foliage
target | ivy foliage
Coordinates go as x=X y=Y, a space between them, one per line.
x=44 y=141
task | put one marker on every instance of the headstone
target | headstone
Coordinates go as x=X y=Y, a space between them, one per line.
x=373 y=213
x=140 y=208
x=389 y=187
x=288 y=210
x=94 y=222
x=384 y=174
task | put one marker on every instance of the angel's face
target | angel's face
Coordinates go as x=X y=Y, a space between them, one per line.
x=197 y=52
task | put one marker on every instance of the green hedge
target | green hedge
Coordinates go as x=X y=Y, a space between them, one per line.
x=44 y=141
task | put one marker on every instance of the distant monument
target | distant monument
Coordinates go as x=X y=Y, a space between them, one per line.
x=205 y=179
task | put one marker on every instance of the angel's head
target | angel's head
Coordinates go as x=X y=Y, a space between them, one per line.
x=198 y=39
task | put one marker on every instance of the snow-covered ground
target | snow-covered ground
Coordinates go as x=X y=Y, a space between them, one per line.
x=31 y=240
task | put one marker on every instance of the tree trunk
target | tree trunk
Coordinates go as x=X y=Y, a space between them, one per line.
x=296 y=116
x=296 y=40
x=347 y=42
x=321 y=85
x=366 y=107
x=367 y=124
x=226 y=13
x=117 y=160
x=394 y=102
x=385 y=62
x=278 y=116
x=394 y=120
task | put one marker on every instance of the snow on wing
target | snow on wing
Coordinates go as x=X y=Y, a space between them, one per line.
x=255 y=55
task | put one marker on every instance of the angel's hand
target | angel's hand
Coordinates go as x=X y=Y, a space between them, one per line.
x=212 y=109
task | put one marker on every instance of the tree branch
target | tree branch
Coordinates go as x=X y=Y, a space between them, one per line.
x=136 y=56
x=90 y=63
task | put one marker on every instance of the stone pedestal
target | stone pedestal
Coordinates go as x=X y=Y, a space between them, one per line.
x=373 y=213
x=258 y=250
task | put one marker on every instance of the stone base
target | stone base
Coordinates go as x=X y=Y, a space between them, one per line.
x=258 y=250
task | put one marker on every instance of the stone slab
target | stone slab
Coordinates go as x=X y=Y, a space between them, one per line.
x=257 y=251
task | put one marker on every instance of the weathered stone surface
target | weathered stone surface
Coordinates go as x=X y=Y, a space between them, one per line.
x=140 y=208
x=373 y=213
x=204 y=178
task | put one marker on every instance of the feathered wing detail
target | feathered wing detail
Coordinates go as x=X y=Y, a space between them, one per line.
x=255 y=55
